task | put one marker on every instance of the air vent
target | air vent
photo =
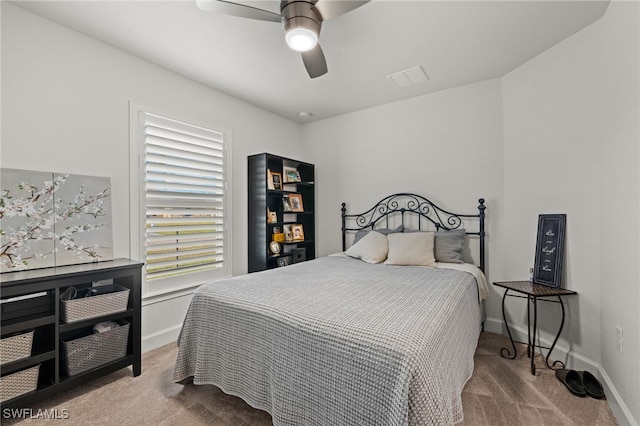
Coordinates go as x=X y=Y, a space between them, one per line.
x=410 y=77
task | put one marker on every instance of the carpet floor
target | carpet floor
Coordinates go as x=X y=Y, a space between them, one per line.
x=500 y=392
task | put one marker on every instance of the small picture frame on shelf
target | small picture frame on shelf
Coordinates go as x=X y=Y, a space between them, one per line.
x=276 y=181
x=288 y=234
x=286 y=206
x=291 y=175
x=276 y=230
x=295 y=202
x=269 y=180
x=272 y=217
x=298 y=232
x=283 y=261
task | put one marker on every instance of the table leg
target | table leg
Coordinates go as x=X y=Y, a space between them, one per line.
x=535 y=329
x=556 y=340
x=506 y=324
x=530 y=344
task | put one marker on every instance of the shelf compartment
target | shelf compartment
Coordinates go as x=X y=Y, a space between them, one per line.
x=108 y=299
x=26 y=323
x=95 y=349
x=28 y=362
x=19 y=383
x=65 y=328
x=16 y=347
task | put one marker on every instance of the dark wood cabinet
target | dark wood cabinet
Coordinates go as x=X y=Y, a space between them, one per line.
x=31 y=303
x=265 y=198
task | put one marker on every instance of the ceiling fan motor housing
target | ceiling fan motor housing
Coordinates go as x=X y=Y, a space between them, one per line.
x=300 y=14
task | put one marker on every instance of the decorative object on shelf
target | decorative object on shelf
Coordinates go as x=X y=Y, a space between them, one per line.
x=288 y=234
x=295 y=201
x=279 y=237
x=298 y=254
x=270 y=180
x=549 y=250
x=276 y=180
x=53 y=219
x=291 y=175
x=275 y=247
x=272 y=217
x=298 y=232
x=283 y=261
x=286 y=206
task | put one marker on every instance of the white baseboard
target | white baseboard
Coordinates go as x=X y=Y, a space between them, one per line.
x=160 y=338
x=575 y=361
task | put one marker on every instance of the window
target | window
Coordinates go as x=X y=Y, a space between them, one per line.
x=182 y=194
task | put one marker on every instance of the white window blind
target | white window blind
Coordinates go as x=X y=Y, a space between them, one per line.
x=185 y=183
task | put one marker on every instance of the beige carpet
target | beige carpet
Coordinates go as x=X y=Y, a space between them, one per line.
x=500 y=392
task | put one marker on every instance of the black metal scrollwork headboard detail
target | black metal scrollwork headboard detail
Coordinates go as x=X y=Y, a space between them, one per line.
x=412 y=204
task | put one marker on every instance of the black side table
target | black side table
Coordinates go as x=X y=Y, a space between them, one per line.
x=533 y=293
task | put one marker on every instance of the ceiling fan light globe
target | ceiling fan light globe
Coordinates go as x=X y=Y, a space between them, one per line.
x=301 y=39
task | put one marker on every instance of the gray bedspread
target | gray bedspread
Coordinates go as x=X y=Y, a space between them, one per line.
x=337 y=341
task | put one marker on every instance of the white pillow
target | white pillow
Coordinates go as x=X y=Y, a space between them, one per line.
x=414 y=248
x=372 y=248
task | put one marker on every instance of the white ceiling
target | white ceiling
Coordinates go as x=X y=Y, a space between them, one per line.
x=455 y=42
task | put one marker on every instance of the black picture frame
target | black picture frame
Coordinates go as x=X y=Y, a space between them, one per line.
x=547 y=268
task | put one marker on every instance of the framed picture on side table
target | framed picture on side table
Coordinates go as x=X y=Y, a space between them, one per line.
x=547 y=269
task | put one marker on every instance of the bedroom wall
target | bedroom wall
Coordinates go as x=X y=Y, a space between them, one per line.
x=65 y=100
x=571 y=146
x=446 y=146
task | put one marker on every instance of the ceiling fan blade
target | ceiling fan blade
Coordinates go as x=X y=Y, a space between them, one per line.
x=314 y=62
x=240 y=10
x=330 y=9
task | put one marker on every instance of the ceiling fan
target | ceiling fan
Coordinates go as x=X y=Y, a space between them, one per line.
x=301 y=19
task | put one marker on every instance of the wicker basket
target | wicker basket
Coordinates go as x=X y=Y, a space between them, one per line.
x=19 y=383
x=109 y=299
x=96 y=349
x=16 y=347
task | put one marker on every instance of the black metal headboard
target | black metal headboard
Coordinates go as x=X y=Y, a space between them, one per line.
x=412 y=204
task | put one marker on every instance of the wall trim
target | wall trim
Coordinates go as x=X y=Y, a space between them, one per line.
x=575 y=361
x=161 y=338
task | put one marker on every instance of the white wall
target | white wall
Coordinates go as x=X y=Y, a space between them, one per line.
x=446 y=146
x=65 y=100
x=620 y=199
x=571 y=144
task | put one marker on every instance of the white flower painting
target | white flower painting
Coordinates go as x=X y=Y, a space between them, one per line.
x=53 y=219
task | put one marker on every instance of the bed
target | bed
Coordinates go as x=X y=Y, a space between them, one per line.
x=344 y=341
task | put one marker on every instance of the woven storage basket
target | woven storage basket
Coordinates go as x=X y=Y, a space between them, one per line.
x=16 y=384
x=96 y=349
x=110 y=299
x=16 y=347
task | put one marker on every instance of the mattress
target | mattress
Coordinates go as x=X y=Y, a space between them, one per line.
x=337 y=341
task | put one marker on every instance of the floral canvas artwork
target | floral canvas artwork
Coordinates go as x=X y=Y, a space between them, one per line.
x=53 y=219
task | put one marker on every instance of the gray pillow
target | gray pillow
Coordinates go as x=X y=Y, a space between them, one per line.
x=364 y=232
x=448 y=246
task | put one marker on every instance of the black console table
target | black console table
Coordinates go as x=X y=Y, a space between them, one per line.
x=42 y=315
x=533 y=292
